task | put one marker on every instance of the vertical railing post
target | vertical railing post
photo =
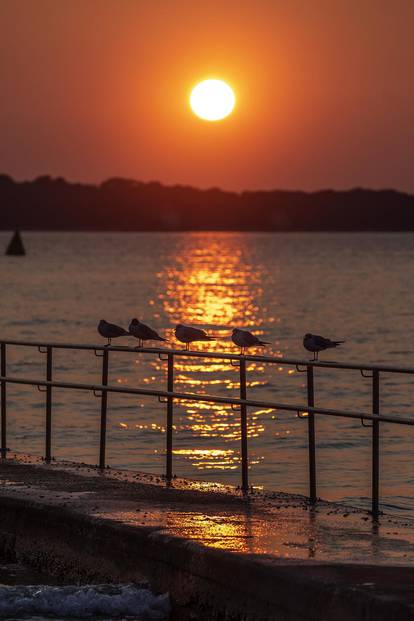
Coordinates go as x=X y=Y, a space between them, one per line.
x=311 y=435
x=3 y=402
x=48 y=434
x=375 y=445
x=170 y=420
x=104 y=407
x=243 y=427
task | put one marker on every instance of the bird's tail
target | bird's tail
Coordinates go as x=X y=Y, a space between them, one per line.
x=264 y=343
x=336 y=343
x=160 y=338
x=208 y=338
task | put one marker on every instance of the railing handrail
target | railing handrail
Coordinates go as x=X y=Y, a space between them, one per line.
x=168 y=397
x=299 y=362
x=189 y=396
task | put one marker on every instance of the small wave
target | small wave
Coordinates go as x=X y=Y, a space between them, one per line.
x=400 y=506
x=81 y=602
x=343 y=444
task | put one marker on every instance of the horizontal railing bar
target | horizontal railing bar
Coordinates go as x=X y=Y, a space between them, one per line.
x=219 y=356
x=209 y=399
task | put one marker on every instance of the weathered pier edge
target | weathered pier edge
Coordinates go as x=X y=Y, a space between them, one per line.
x=205 y=583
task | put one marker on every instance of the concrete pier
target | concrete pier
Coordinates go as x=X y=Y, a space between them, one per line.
x=220 y=556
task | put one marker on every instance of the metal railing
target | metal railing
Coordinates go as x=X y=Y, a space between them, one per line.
x=168 y=396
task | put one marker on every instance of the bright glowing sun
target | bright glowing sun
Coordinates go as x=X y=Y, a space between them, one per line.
x=212 y=100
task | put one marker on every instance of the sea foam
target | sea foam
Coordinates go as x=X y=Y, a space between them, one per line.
x=83 y=601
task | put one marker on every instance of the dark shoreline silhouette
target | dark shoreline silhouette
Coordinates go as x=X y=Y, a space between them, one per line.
x=125 y=205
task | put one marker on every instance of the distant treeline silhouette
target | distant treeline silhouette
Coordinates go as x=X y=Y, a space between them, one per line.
x=125 y=205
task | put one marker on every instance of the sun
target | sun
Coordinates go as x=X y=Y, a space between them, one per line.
x=212 y=100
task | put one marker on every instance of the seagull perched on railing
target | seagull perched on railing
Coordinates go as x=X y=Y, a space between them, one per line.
x=110 y=330
x=245 y=339
x=143 y=332
x=315 y=344
x=188 y=334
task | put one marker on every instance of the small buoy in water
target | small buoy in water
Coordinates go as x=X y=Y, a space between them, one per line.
x=15 y=247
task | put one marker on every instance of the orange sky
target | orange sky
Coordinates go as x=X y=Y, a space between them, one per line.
x=97 y=88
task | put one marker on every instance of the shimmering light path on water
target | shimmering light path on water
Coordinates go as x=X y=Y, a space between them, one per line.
x=357 y=287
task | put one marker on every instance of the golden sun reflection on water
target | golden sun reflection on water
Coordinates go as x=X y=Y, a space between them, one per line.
x=213 y=285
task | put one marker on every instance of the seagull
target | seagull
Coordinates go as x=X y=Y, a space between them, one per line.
x=143 y=332
x=245 y=339
x=110 y=330
x=315 y=344
x=188 y=334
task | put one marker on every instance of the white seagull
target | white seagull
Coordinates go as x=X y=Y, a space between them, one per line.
x=143 y=332
x=316 y=343
x=245 y=339
x=110 y=330
x=188 y=334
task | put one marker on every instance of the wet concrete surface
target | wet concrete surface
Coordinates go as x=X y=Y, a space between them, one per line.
x=12 y=573
x=274 y=524
x=336 y=555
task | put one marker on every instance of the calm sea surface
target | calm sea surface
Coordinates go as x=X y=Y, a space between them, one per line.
x=357 y=287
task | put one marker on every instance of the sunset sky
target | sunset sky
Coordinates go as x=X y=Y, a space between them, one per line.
x=97 y=88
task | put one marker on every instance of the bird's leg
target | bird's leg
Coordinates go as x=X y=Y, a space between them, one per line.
x=187 y=347
x=109 y=342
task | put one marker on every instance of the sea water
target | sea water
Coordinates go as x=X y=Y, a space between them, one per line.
x=357 y=287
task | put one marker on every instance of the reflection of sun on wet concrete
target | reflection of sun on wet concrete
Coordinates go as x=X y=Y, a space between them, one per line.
x=224 y=531
x=288 y=529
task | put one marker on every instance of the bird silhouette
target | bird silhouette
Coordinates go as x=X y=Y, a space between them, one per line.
x=188 y=334
x=245 y=339
x=143 y=332
x=110 y=330
x=315 y=343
